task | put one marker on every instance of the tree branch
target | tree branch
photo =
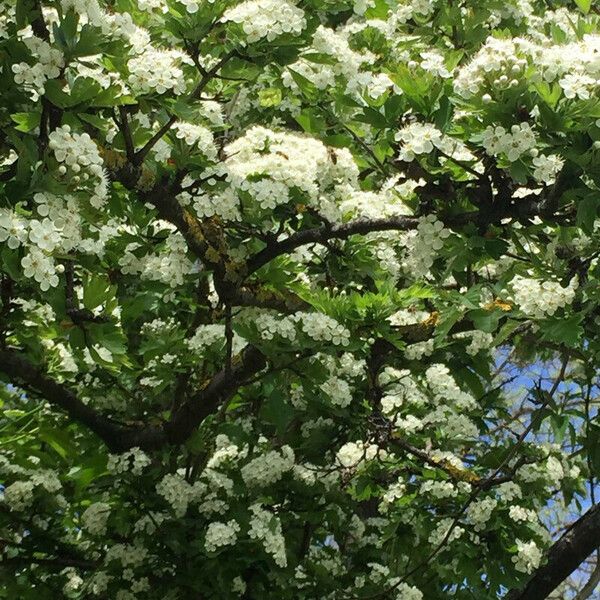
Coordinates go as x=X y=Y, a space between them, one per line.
x=592 y=583
x=219 y=389
x=565 y=555
x=322 y=234
x=19 y=368
x=204 y=81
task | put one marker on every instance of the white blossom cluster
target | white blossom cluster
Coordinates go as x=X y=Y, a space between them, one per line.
x=157 y=71
x=81 y=161
x=433 y=62
x=513 y=144
x=268 y=468
x=442 y=533
x=547 y=167
x=479 y=341
x=322 y=328
x=76 y=151
x=48 y=64
x=95 y=518
x=132 y=461
x=271 y=325
x=414 y=404
x=265 y=526
x=528 y=557
x=418 y=138
x=267 y=165
x=40 y=267
x=221 y=534
x=196 y=136
x=502 y=64
x=19 y=495
x=438 y=489
x=497 y=66
x=207 y=336
x=170 y=266
x=353 y=454
x=266 y=19
x=347 y=65
x=420 y=350
x=58 y=231
x=423 y=245
x=540 y=299
x=338 y=390
x=480 y=511
x=128 y=555
x=176 y=491
x=520 y=514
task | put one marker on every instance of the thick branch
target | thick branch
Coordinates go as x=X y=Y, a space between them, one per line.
x=576 y=544
x=322 y=234
x=18 y=368
x=59 y=562
x=518 y=210
x=118 y=438
x=592 y=583
x=218 y=390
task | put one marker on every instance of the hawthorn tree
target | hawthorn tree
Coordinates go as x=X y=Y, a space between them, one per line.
x=271 y=275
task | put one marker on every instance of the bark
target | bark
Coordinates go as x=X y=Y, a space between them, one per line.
x=564 y=557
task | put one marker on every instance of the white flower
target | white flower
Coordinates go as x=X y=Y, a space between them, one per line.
x=95 y=518
x=542 y=298
x=480 y=511
x=197 y=135
x=338 y=390
x=19 y=495
x=41 y=268
x=433 y=61
x=265 y=526
x=353 y=454
x=221 y=534
x=13 y=230
x=267 y=18
x=520 y=140
x=577 y=85
x=518 y=514
x=528 y=557
x=268 y=468
x=547 y=167
x=322 y=328
x=157 y=71
x=418 y=138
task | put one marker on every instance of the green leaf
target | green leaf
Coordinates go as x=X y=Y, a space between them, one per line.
x=584 y=5
x=566 y=331
x=306 y=86
x=10 y=263
x=587 y=211
x=26 y=121
x=310 y=121
x=88 y=44
x=269 y=97
x=56 y=95
x=485 y=320
x=448 y=320
x=372 y=117
x=22 y=12
x=59 y=440
x=277 y=411
x=96 y=291
x=319 y=58
x=519 y=171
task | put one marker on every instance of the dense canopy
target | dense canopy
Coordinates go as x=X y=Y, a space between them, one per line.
x=299 y=300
